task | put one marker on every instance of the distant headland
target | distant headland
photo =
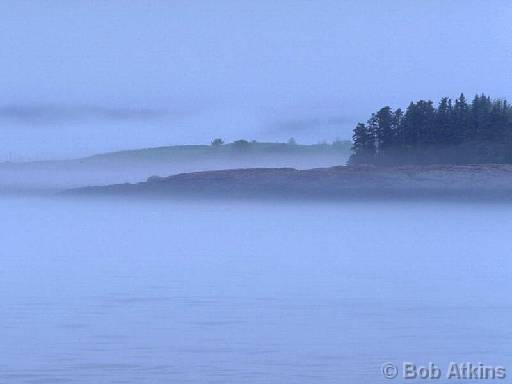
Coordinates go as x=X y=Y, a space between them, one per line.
x=481 y=182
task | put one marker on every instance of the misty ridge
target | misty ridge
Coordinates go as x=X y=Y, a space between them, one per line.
x=38 y=131
x=139 y=164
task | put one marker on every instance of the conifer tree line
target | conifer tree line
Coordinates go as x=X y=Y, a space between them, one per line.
x=456 y=132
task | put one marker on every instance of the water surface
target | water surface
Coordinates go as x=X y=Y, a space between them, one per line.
x=106 y=291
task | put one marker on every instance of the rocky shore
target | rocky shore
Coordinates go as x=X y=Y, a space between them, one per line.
x=488 y=181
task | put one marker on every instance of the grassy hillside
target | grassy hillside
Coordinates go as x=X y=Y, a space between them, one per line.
x=235 y=150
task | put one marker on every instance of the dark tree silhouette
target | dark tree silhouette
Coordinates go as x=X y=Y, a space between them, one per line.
x=217 y=142
x=364 y=145
x=454 y=132
x=241 y=144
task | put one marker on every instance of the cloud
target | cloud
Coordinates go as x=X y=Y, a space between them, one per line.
x=312 y=125
x=48 y=114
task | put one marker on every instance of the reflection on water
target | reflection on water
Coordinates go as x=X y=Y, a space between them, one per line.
x=141 y=292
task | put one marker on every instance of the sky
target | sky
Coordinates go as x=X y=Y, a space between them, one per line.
x=87 y=76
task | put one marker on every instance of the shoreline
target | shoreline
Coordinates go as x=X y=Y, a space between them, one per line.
x=452 y=182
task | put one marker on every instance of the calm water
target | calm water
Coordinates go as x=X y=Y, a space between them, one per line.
x=160 y=292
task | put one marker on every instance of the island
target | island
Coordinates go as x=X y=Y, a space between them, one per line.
x=455 y=150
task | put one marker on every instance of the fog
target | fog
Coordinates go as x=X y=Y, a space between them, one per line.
x=138 y=165
x=118 y=290
x=106 y=291
x=85 y=77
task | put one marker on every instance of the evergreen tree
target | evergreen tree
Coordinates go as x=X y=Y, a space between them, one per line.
x=396 y=127
x=363 y=145
x=444 y=122
x=385 y=132
x=460 y=123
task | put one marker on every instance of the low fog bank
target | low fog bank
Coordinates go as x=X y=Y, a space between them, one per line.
x=137 y=165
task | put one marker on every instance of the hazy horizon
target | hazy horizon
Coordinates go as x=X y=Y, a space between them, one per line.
x=86 y=77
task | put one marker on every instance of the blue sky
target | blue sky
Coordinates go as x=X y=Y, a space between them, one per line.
x=79 y=77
